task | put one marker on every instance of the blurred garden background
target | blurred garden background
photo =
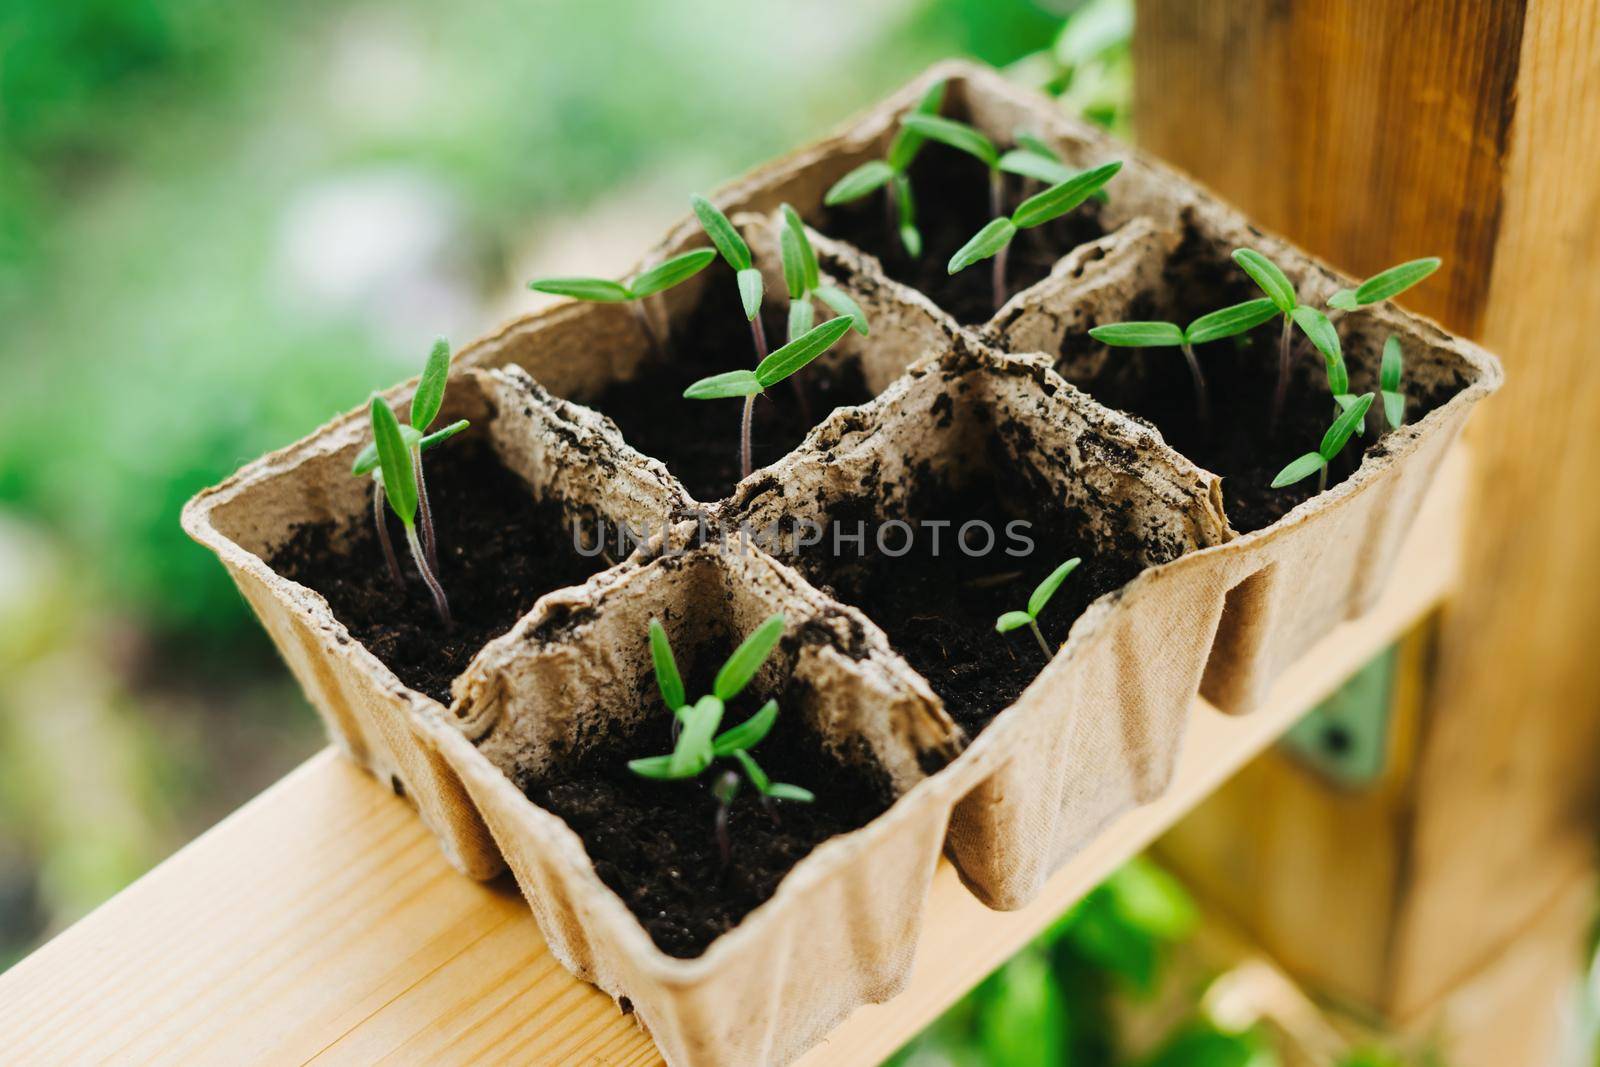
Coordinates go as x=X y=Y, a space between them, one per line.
x=223 y=223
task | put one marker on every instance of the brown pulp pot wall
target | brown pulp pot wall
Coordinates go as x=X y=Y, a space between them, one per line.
x=842 y=928
x=561 y=451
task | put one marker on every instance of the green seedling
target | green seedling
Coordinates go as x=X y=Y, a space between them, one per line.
x=425 y=405
x=1389 y=376
x=890 y=174
x=1333 y=443
x=697 y=744
x=402 y=489
x=995 y=237
x=750 y=384
x=1036 y=160
x=1033 y=158
x=1040 y=596
x=1385 y=285
x=727 y=241
x=1313 y=323
x=645 y=284
x=803 y=279
x=1226 y=322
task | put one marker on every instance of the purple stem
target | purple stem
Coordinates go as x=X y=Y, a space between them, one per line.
x=425 y=514
x=1202 y=401
x=440 y=604
x=1039 y=637
x=996 y=203
x=380 y=519
x=1281 y=393
x=744 y=436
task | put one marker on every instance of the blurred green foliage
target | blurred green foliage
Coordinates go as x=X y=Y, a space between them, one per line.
x=1052 y=1004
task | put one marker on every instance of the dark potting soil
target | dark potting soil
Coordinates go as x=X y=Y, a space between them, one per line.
x=698 y=440
x=654 y=843
x=938 y=603
x=499 y=551
x=951 y=193
x=1241 y=375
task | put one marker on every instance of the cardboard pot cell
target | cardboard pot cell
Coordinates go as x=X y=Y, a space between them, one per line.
x=973 y=94
x=605 y=356
x=1329 y=558
x=1099 y=728
x=841 y=928
x=559 y=451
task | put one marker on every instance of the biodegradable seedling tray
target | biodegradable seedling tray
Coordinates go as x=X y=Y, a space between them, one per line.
x=1188 y=583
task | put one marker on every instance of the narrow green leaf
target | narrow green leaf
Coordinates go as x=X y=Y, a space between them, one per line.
x=985 y=243
x=907 y=142
x=840 y=301
x=748 y=658
x=1315 y=325
x=957 y=135
x=367 y=458
x=659 y=767
x=1343 y=300
x=797 y=353
x=668 y=680
x=1060 y=199
x=751 y=289
x=1032 y=142
x=443 y=434
x=808 y=255
x=1299 y=470
x=1033 y=165
x=1345 y=400
x=909 y=235
x=726 y=384
x=399 y=480
x=429 y=397
x=600 y=290
x=1012 y=620
x=1047 y=588
x=1396 y=280
x=1231 y=321
x=871 y=175
x=672 y=272
x=1392 y=366
x=692 y=754
x=802 y=316
x=794 y=268
x=753 y=771
x=722 y=233
x=749 y=733
x=911 y=238
x=1138 y=334
x=1394 y=408
x=1266 y=274
x=1333 y=441
x=785 y=791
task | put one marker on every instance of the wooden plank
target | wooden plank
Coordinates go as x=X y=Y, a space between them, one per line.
x=1373 y=132
x=320 y=924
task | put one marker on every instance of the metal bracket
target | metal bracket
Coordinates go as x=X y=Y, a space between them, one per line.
x=1346 y=737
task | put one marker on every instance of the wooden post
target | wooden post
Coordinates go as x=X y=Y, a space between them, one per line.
x=1372 y=132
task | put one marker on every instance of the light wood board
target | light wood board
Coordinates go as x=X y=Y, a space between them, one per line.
x=319 y=924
